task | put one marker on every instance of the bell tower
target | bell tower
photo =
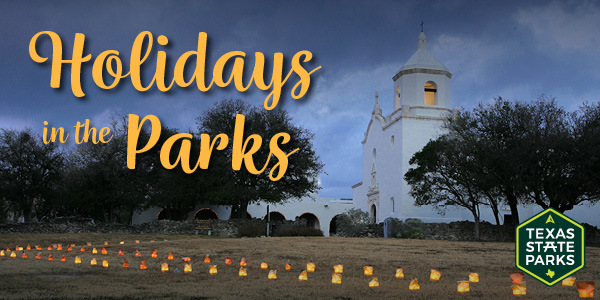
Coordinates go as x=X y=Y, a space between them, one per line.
x=423 y=81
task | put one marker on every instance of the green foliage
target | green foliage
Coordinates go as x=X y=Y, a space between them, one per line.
x=29 y=170
x=298 y=231
x=513 y=153
x=239 y=188
x=353 y=223
x=251 y=228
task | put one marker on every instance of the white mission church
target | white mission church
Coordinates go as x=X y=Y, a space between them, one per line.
x=422 y=101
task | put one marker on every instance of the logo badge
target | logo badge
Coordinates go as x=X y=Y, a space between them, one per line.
x=550 y=247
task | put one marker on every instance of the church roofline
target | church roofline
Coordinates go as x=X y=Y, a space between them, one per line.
x=422 y=71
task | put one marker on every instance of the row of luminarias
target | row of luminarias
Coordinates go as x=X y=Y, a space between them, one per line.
x=519 y=287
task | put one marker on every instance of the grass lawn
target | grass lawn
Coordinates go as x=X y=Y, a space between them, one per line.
x=42 y=279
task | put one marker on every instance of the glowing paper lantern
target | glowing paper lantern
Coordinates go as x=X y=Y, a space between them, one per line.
x=89 y=243
x=187 y=259
x=569 y=281
x=82 y=249
x=17 y=248
x=50 y=257
x=399 y=273
x=310 y=267
x=105 y=243
x=228 y=261
x=206 y=259
x=8 y=249
x=338 y=269
x=187 y=268
x=137 y=241
x=2 y=253
x=414 y=285
x=49 y=248
x=121 y=252
x=104 y=252
x=264 y=265
x=59 y=247
x=243 y=272
x=435 y=275
x=143 y=265
x=104 y=263
x=38 y=247
x=121 y=242
x=336 y=278
x=519 y=289
x=93 y=262
x=463 y=287
x=77 y=260
x=94 y=251
x=63 y=259
x=24 y=255
x=473 y=277
x=69 y=248
x=170 y=256
x=516 y=277
x=586 y=289
x=164 y=267
x=374 y=282
x=125 y=264
x=368 y=271
x=28 y=247
x=13 y=254
x=288 y=267
x=243 y=262
x=212 y=270
x=39 y=256
x=272 y=274
x=154 y=254
x=303 y=276
x=137 y=253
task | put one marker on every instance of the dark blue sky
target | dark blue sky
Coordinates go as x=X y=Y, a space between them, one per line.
x=501 y=48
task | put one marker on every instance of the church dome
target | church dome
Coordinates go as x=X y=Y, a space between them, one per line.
x=423 y=59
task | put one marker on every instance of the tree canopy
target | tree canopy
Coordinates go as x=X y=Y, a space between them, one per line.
x=511 y=153
x=240 y=188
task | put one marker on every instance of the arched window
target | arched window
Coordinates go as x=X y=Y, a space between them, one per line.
x=374 y=213
x=311 y=220
x=397 y=98
x=430 y=93
x=206 y=214
x=275 y=216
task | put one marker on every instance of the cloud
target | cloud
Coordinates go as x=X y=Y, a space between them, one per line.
x=10 y=122
x=557 y=24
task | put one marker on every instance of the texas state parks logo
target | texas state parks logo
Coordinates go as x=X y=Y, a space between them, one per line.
x=550 y=247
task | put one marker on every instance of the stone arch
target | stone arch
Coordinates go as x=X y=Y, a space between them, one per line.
x=275 y=216
x=333 y=225
x=206 y=214
x=311 y=220
x=162 y=214
x=430 y=92
x=374 y=213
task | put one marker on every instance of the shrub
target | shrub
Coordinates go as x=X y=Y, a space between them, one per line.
x=411 y=229
x=353 y=223
x=298 y=231
x=252 y=228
